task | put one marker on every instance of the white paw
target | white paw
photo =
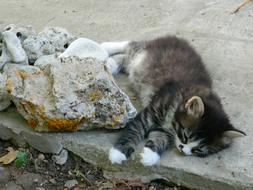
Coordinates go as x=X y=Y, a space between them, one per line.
x=149 y=157
x=116 y=156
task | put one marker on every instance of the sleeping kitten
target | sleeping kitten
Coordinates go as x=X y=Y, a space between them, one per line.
x=179 y=106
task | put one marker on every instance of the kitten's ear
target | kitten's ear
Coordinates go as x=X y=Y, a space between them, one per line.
x=234 y=133
x=195 y=107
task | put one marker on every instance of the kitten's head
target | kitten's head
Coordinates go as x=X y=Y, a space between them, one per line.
x=202 y=127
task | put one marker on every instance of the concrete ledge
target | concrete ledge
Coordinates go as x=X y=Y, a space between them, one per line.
x=231 y=169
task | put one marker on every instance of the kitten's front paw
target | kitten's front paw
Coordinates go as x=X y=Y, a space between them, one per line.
x=149 y=157
x=116 y=157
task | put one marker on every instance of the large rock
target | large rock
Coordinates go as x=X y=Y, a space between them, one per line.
x=5 y=100
x=49 y=41
x=68 y=94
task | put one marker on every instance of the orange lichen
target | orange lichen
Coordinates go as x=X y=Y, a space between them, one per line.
x=24 y=74
x=95 y=95
x=9 y=85
x=32 y=123
x=62 y=124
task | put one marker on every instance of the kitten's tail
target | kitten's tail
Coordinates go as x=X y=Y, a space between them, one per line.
x=115 y=47
x=117 y=52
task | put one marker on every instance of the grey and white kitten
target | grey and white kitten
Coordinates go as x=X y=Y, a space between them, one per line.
x=180 y=108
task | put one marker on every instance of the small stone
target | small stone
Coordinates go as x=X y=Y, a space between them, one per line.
x=40 y=188
x=28 y=179
x=12 y=186
x=71 y=183
x=61 y=158
x=53 y=181
x=12 y=50
x=41 y=156
x=4 y=176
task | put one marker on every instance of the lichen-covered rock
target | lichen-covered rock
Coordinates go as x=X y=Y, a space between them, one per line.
x=59 y=37
x=49 y=41
x=12 y=50
x=68 y=94
x=4 y=96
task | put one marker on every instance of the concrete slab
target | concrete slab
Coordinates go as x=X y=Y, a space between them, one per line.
x=226 y=170
x=224 y=40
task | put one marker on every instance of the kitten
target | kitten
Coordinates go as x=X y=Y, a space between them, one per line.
x=179 y=106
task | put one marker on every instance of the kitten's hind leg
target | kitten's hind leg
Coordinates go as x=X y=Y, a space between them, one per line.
x=133 y=133
x=115 y=47
x=156 y=144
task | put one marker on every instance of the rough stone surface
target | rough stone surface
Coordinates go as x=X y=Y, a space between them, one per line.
x=4 y=96
x=225 y=42
x=69 y=94
x=12 y=186
x=70 y=183
x=37 y=46
x=26 y=180
x=49 y=41
x=214 y=172
x=4 y=176
x=59 y=37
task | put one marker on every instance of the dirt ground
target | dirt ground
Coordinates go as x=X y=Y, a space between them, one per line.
x=42 y=173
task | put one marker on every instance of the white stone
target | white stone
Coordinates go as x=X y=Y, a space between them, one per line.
x=22 y=32
x=12 y=50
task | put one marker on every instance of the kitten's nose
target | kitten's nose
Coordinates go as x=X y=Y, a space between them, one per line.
x=181 y=146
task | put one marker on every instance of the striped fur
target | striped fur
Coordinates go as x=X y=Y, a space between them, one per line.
x=180 y=108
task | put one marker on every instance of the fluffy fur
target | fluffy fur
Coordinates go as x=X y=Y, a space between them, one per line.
x=179 y=106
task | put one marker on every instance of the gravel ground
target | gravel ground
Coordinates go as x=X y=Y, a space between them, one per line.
x=42 y=173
